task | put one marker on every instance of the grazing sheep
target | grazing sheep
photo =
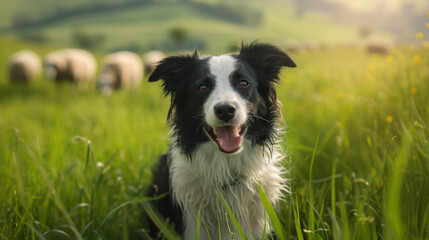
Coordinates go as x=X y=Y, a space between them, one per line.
x=24 y=66
x=293 y=46
x=325 y=45
x=74 y=65
x=379 y=47
x=120 y=70
x=350 y=45
x=311 y=45
x=151 y=59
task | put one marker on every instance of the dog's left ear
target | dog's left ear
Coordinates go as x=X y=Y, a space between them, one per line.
x=265 y=58
x=173 y=70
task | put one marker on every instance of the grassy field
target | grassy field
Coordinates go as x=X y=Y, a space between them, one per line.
x=75 y=164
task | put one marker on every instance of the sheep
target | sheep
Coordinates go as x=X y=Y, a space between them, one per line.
x=311 y=45
x=325 y=45
x=151 y=59
x=74 y=65
x=24 y=66
x=120 y=70
x=348 y=44
x=293 y=46
x=379 y=47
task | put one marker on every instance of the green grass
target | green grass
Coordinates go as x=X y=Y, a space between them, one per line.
x=75 y=164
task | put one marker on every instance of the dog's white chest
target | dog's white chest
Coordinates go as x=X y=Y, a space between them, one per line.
x=197 y=183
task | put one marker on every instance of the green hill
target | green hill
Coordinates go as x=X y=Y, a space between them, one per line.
x=15 y=11
x=145 y=25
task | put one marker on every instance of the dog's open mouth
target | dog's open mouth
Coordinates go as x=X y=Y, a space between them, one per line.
x=227 y=137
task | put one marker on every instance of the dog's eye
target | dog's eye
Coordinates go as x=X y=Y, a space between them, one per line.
x=243 y=84
x=202 y=88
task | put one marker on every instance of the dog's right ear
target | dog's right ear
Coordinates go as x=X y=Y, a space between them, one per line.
x=173 y=71
x=266 y=59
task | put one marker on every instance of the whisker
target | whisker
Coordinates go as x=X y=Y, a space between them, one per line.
x=253 y=116
x=261 y=118
x=201 y=125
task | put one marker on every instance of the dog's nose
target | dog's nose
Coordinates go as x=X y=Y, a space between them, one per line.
x=224 y=111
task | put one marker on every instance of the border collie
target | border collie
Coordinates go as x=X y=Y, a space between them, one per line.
x=224 y=138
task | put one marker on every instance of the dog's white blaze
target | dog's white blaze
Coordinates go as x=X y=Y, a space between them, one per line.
x=221 y=67
x=195 y=183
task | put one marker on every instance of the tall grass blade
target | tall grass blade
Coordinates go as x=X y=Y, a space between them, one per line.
x=38 y=234
x=197 y=234
x=89 y=153
x=138 y=200
x=272 y=214
x=336 y=232
x=333 y=200
x=231 y=215
x=345 y=232
x=297 y=220
x=392 y=210
x=161 y=223
x=87 y=227
x=310 y=208
x=218 y=226
x=59 y=232
x=424 y=224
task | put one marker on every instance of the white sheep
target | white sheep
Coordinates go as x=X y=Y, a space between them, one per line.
x=348 y=44
x=379 y=46
x=74 y=65
x=120 y=70
x=293 y=46
x=24 y=66
x=311 y=45
x=151 y=59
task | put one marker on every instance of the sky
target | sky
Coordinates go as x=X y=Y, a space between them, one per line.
x=392 y=5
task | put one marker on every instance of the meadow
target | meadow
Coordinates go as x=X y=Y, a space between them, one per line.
x=75 y=164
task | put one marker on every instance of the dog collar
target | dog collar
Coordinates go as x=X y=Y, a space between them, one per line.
x=236 y=181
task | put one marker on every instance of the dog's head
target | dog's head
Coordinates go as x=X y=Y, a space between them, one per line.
x=223 y=99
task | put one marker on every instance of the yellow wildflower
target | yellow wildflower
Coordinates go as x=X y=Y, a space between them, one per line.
x=389 y=58
x=372 y=67
x=416 y=58
x=419 y=35
x=413 y=90
x=389 y=119
x=427 y=24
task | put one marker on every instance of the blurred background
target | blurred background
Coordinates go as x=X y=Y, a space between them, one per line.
x=211 y=25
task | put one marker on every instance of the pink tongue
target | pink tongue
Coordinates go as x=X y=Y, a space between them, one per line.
x=228 y=138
